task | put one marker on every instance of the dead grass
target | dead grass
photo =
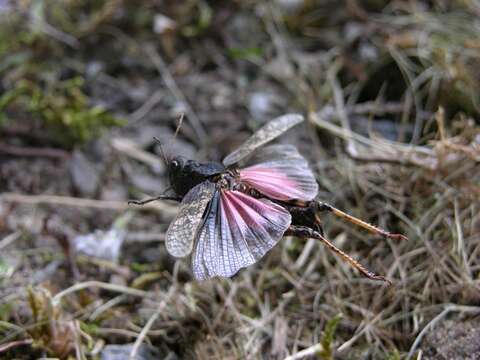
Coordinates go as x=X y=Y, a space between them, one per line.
x=410 y=66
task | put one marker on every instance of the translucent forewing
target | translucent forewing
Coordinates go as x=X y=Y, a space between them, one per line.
x=183 y=229
x=204 y=257
x=237 y=232
x=281 y=173
x=267 y=133
x=275 y=152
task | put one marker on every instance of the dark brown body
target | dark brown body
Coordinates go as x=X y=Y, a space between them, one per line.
x=185 y=174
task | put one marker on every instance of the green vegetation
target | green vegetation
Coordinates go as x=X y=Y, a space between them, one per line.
x=35 y=96
x=328 y=337
x=390 y=89
x=59 y=108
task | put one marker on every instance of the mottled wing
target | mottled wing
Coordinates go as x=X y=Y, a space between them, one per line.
x=280 y=172
x=275 y=152
x=237 y=232
x=265 y=134
x=182 y=230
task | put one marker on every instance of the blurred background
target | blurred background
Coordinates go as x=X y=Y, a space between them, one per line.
x=390 y=92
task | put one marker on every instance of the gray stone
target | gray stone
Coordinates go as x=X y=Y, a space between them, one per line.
x=453 y=340
x=84 y=174
x=122 y=352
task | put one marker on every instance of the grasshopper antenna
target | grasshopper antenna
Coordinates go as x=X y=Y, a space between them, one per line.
x=164 y=157
x=180 y=122
x=177 y=130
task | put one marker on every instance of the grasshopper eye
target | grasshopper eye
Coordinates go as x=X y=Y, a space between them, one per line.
x=176 y=164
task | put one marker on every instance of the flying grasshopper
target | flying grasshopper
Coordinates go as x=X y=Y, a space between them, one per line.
x=231 y=216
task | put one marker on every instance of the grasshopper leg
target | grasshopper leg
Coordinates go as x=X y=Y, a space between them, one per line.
x=321 y=207
x=306 y=232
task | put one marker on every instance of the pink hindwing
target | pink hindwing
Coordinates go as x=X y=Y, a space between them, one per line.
x=238 y=230
x=281 y=173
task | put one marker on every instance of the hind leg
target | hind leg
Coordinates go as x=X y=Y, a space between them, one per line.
x=305 y=214
x=306 y=232
x=321 y=207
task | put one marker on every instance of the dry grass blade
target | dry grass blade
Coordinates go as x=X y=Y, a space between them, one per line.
x=151 y=320
x=391 y=92
x=12 y=344
x=129 y=148
x=306 y=353
x=9 y=239
x=106 y=286
x=172 y=85
x=379 y=150
x=82 y=202
x=135 y=117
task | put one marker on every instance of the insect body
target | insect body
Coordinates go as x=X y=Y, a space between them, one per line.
x=185 y=174
x=231 y=216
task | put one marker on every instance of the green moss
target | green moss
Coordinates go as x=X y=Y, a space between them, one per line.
x=61 y=108
x=245 y=53
x=34 y=94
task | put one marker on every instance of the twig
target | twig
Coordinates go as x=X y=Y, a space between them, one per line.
x=149 y=323
x=173 y=87
x=312 y=350
x=81 y=202
x=106 y=286
x=33 y=151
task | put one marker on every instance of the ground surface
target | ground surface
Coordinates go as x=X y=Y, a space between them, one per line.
x=390 y=93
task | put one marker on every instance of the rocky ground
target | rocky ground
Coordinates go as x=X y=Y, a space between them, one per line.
x=389 y=90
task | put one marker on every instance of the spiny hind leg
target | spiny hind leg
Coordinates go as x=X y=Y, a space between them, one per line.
x=321 y=207
x=306 y=232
